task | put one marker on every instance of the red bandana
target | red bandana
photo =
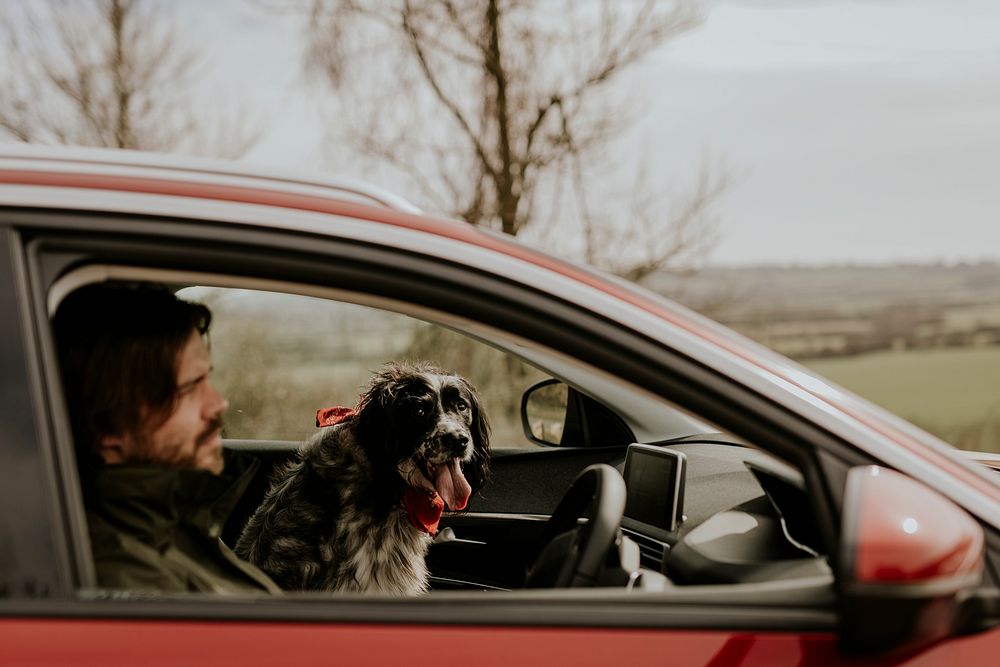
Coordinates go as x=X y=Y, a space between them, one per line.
x=331 y=416
x=424 y=510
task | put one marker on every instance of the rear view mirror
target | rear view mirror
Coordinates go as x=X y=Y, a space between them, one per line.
x=908 y=557
x=555 y=414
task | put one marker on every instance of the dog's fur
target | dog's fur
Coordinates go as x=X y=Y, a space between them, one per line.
x=335 y=520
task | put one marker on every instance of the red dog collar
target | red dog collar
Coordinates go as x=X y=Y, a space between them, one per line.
x=424 y=510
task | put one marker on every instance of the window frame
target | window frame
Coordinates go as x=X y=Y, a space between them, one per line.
x=429 y=285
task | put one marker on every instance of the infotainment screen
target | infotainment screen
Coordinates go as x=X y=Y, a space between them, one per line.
x=654 y=477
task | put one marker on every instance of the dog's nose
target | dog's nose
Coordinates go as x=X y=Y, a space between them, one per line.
x=454 y=440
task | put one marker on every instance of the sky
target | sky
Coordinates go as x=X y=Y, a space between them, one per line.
x=860 y=131
x=863 y=132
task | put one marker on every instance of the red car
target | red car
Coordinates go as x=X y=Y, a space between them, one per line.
x=730 y=507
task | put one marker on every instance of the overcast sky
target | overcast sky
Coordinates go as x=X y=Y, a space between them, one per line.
x=868 y=131
x=864 y=131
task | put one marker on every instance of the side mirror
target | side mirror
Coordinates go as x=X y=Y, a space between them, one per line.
x=555 y=414
x=908 y=557
x=544 y=408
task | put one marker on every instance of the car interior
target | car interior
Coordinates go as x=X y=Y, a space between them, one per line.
x=595 y=483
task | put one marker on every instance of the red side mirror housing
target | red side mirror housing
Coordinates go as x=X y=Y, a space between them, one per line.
x=907 y=554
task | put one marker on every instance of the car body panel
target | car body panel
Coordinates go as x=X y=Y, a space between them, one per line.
x=155 y=643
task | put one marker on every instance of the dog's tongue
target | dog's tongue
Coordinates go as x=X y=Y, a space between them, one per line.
x=452 y=486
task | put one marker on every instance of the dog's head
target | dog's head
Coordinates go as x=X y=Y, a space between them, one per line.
x=428 y=427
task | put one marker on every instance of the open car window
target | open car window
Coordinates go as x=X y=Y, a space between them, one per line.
x=739 y=516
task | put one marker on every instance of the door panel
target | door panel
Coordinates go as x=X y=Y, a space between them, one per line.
x=501 y=530
x=153 y=643
x=492 y=550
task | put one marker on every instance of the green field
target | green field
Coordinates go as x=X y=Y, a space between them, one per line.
x=953 y=393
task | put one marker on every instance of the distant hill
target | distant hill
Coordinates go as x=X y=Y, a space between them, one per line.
x=841 y=287
x=846 y=309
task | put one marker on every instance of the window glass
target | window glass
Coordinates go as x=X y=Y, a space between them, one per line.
x=279 y=358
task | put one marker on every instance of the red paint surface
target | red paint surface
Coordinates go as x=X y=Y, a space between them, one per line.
x=160 y=643
x=469 y=234
x=910 y=533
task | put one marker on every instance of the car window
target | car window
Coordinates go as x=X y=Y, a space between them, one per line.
x=278 y=358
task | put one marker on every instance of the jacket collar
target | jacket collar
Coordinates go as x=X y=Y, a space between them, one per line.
x=151 y=501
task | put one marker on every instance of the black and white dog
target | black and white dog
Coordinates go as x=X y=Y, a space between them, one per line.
x=358 y=509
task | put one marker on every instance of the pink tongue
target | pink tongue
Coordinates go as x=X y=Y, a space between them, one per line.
x=452 y=486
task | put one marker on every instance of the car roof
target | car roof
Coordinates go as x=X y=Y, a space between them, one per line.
x=63 y=158
x=244 y=183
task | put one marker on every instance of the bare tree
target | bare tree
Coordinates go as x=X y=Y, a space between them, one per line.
x=109 y=73
x=499 y=107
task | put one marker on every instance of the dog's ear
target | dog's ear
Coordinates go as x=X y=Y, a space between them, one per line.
x=375 y=414
x=375 y=430
x=477 y=471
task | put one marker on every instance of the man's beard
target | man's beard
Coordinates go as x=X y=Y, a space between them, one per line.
x=172 y=454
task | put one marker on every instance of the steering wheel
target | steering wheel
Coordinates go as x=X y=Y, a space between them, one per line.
x=571 y=555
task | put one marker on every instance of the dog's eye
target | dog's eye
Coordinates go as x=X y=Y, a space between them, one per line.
x=461 y=406
x=420 y=411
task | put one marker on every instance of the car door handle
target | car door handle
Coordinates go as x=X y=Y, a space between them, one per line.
x=447 y=536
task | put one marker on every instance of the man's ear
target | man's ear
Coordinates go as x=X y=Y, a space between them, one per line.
x=112 y=449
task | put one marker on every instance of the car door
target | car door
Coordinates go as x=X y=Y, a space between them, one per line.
x=698 y=625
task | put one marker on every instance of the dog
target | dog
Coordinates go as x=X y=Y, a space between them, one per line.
x=357 y=510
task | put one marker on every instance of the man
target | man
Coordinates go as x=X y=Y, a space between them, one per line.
x=147 y=427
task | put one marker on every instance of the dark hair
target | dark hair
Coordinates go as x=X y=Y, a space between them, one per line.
x=118 y=349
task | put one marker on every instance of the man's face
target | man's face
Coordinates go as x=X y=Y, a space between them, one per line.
x=191 y=435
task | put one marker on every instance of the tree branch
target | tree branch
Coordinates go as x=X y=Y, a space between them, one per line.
x=414 y=40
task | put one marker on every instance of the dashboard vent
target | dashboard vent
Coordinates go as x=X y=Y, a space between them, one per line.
x=650 y=551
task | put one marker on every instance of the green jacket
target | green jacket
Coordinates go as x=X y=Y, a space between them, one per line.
x=157 y=529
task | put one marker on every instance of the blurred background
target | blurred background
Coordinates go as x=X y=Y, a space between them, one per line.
x=819 y=175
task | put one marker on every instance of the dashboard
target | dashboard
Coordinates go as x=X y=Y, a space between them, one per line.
x=741 y=516
x=725 y=514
